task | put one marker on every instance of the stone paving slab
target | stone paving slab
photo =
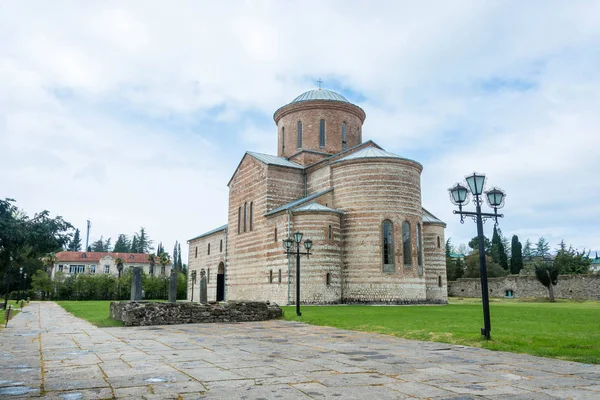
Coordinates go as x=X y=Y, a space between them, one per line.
x=48 y=353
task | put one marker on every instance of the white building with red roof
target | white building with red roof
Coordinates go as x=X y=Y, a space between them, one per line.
x=90 y=262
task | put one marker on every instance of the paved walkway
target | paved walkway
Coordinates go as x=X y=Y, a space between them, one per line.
x=46 y=352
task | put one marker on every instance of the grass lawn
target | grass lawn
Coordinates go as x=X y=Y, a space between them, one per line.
x=566 y=329
x=95 y=312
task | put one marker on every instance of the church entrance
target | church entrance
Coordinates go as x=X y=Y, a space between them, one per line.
x=221 y=282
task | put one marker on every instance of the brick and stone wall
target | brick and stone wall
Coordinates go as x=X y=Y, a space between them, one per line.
x=140 y=313
x=310 y=113
x=370 y=191
x=435 y=262
x=199 y=258
x=581 y=287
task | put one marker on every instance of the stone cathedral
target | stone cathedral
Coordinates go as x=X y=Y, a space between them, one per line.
x=373 y=242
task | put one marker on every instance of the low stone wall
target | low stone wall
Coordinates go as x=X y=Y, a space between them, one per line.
x=580 y=287
x=136 y=313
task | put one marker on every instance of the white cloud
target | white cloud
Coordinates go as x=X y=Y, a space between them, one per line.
x=131 y=113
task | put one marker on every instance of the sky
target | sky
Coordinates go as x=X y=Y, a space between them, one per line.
x=137 y=113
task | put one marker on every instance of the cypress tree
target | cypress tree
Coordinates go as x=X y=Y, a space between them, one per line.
x=75 y=244
x=516 y=258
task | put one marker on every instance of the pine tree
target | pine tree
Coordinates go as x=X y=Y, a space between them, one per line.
x=134 y=244
x=122 y=245
x=496 y=244
x=143 y=241
x=179 y=263
x=175 y=259
x=101 y=245
x=516 y=258
x=75 y=244
x=160 y=249
x=542 y=248
x=448 y=247
x=528 y=250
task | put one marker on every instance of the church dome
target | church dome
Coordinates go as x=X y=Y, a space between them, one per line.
x=320 y=94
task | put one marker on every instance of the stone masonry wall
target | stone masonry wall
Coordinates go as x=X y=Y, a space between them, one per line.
x=310 y=114
x=199 y=258
x=435 y=262
x=580 y=287
x=369 y=192
x=253 y=254
x=140 y=313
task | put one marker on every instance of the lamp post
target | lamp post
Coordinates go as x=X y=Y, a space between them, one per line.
x=20 y=284
x=287 y=245
x=7 y=282
x=24 y=284
x=459 y=195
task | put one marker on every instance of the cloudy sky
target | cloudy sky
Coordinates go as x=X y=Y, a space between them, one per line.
x=136 y=113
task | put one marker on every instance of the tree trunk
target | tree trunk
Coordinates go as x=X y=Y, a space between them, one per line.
x=550 y=288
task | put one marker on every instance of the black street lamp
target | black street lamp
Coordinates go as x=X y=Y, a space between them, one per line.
x=20 y=283
x=287 y=245
x=24 y=284
x=459 y=195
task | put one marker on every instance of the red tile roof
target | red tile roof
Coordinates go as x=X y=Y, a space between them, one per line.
x=74 y=256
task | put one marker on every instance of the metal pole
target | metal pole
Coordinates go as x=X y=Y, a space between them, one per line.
x=298 y=313
x=7 y=280
x=20 y=284
x=483 y=270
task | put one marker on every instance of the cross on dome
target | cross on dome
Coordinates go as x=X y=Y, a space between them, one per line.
x=319 y=82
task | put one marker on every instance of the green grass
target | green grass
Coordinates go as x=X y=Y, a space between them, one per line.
x=95 y=312
x=567 y=330
x=13 y=312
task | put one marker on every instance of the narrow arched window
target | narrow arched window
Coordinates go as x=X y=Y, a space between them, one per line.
x=279 y=276
x=245 y=215
x=438 y=242
x=282 y=140
x=221 y=246
x=299 y=134
x=322 y=133
x=271 y=276
x=344 y=136
x=275 y=235
x=406 y=244
x=196 y=256
x=208 y=253
x=239 y=219
x=208 y=275
x=328 y=279
x=387 y=233
x=251 y=214
x=329 y=233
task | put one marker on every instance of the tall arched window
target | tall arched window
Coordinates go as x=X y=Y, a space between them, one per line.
x=344 y=136
x=239 y=219
x=245 y=215
x=251 y=214
x=208 y=249
x=419 y=249
x=196 y=256
x=328 y=279
x=406 y=241
x=275 y=235
x=322 y=133
x=387 y=232
x=438 y=242
x=299 y=134
x=221 y=246
x=282 y=139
